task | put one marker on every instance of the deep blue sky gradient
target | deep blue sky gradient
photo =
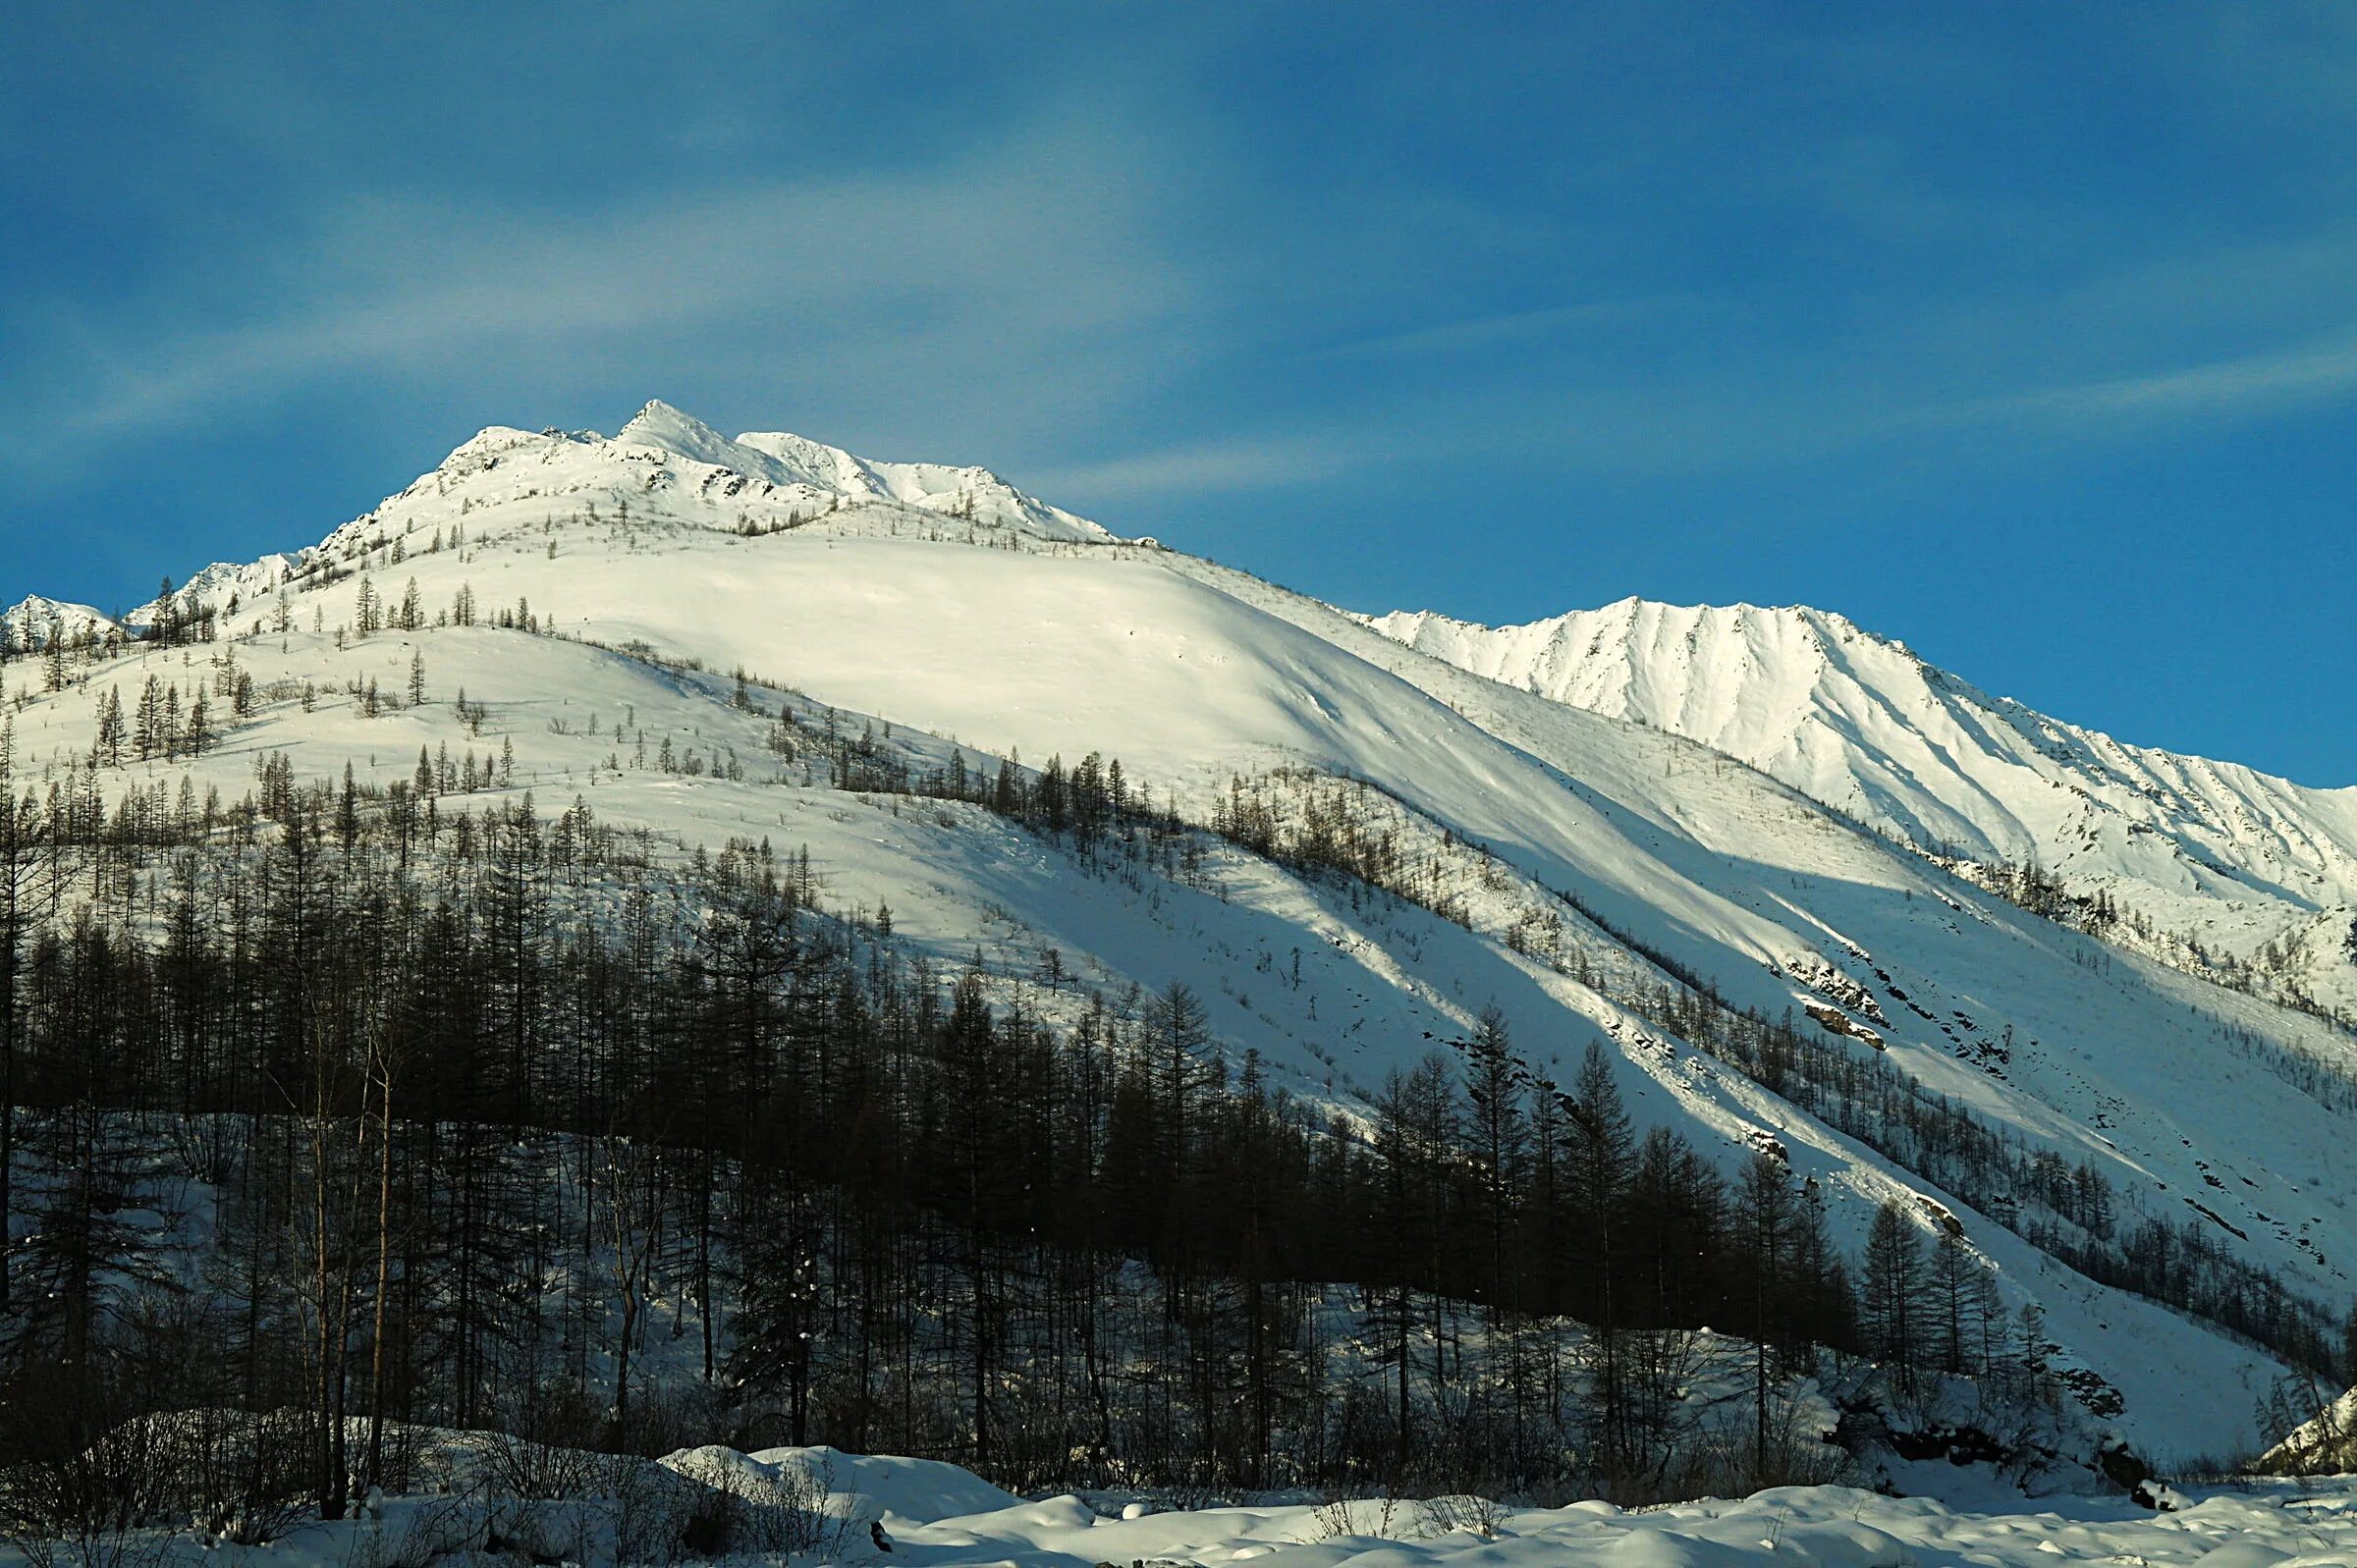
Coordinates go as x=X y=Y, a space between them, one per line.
x=2027 y=334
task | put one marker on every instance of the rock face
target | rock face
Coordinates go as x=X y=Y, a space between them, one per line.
x=1835 y=1021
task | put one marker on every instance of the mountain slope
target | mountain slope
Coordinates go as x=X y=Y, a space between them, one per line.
x=2211 y=852
x=941 y=613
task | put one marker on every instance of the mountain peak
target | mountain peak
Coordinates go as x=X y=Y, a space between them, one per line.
x=787 y=461
x=33 y=620
x=1864 y=724
x=669 y=429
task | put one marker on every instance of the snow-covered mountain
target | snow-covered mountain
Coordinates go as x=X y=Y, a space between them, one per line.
x=761 y=480
x=2250 y=868
x=223 y=585
x=796 y=464
x=31 y=621
x=1592 y=876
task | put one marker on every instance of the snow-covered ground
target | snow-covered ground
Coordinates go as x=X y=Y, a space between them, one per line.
x=941 y=611
x=1828 y=1526
x=860 y=1509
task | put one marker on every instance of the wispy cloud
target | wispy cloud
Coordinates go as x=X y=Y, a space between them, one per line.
x=1208 y=466
x=2252 y=383
x=1055 y=298
x=1496 y=331
x=995 y=267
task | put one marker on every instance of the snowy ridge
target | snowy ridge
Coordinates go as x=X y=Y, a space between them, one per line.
x=33 y=621
x=762 y=481
x=224 y=585
x=758 y=482
x=955 y=616
x=795 y=460
x=2214 y=851
x=789 y=462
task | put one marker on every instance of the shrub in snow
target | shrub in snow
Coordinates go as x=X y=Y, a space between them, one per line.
x=747 y=1506
x=81 y=1491
x=420 y=1534
x=1463 y=1511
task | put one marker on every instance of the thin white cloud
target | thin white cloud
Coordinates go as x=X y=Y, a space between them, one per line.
x=1203 y=467
x=1489 y=332
x=2240 y=383
x=999 y=267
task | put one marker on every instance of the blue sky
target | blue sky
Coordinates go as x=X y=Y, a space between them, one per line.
x=2027 y=334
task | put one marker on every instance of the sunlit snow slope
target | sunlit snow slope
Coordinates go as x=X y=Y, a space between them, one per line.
x=2211 y=851
x=940 y=608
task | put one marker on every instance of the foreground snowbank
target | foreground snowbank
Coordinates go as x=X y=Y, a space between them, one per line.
x=921 y=1490
x=1835 y=1527
x=926 y=1514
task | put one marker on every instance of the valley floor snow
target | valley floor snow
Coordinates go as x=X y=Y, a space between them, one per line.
x=1814 y=1525
x=936 y=1515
